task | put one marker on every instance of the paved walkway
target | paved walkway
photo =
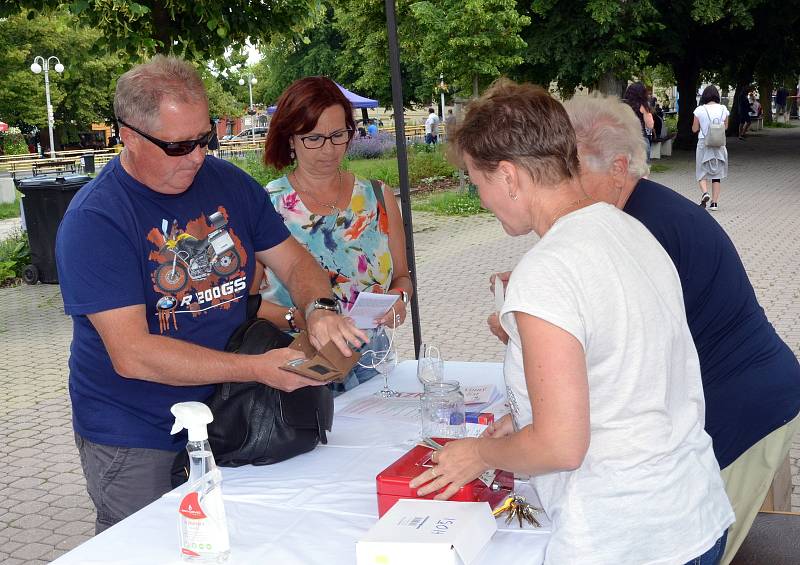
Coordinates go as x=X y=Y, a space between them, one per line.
x=44 y=509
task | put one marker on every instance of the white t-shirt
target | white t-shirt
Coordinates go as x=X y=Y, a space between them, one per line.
x=715 y=112
x=649 y=489
x=432 y=124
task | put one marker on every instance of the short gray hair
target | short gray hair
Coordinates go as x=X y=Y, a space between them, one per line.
x=141 y=90
x=606 y=128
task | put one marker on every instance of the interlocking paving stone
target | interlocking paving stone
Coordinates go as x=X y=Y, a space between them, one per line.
x=759 y=209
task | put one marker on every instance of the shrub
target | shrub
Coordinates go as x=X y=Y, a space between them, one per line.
x=15 y=254
x=451 y=204
x=422 y=165
x=254 y=166
x=381 y=145
x=12 y=142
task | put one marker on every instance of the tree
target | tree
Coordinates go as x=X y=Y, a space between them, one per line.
x=81 y=95
x=597 y=44
x=194 y=29
x=469 y=41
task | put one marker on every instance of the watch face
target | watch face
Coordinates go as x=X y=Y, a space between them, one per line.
x=328 y=303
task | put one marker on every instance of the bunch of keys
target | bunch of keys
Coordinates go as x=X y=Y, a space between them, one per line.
x=518 y=508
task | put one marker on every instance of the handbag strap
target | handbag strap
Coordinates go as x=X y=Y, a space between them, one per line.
x=378 y=190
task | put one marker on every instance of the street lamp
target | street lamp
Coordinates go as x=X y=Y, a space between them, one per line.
x=40 y=63
x=253 y=80
x=442 y=87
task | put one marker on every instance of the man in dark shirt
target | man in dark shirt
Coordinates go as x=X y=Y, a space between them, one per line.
x=751 y=379
x=155 y=258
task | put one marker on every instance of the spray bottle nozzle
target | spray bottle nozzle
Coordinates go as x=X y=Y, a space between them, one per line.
x=194 y=416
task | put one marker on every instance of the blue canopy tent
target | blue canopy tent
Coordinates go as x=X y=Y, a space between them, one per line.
x=356 y=100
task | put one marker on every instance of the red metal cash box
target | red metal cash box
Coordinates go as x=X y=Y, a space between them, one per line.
x=393 y=481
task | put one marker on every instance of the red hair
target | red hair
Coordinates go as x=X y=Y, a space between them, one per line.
x=298 y=110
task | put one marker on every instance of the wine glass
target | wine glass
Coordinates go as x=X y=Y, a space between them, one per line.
x=385 y=360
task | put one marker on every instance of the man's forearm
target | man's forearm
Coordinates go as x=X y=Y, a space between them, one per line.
x=174 y=362
x=307 y=282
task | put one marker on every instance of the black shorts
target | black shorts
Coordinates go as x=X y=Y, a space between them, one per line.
x=746 y=118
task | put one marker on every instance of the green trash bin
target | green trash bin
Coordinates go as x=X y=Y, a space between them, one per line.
x=44 y=201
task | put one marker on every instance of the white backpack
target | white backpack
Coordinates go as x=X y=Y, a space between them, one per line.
x=715 y=136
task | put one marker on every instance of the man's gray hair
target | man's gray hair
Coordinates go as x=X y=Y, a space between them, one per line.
x=606 y=128
x=141 y=90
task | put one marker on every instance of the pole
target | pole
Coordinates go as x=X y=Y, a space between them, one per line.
x=402 y=164
x=252 y=111
x=49 y=108
x=441 y=85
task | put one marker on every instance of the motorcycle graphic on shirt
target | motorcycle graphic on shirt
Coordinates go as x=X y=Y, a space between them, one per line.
x=196 y=259
x=198 y=267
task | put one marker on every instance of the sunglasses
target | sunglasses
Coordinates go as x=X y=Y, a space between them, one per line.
x=172 y=148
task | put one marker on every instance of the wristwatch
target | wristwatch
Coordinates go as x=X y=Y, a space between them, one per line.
x=330 y=304
x=290 y=319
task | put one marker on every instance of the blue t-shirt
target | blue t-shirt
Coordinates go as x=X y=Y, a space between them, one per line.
x=372 y=130
x=751 y=379
x=122 y=244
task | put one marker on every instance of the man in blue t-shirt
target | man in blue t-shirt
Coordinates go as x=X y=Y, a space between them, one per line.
x=751 y=379
x=156 y=257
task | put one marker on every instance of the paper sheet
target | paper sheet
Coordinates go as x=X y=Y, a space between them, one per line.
x=404 y=407
x=370 y=306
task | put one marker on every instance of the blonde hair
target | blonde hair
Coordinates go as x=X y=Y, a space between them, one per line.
x=141 y=90
x=606 y=128
x=522 y=124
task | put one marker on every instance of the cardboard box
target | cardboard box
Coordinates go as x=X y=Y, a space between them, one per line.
x=392 y=482
x=328 y=364
x=428 y=532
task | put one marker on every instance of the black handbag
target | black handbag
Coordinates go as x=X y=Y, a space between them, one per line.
x=256 y=424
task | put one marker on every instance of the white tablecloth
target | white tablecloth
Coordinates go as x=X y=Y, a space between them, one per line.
x=313 y=508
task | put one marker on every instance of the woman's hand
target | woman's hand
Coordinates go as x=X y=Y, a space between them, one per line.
x=458 y=463
x=494 y=326
x=501 y=428
x=396 y=317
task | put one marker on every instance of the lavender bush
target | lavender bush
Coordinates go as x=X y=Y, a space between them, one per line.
x=381 y=145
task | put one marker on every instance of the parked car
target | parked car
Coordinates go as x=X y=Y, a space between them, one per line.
x=247 y=134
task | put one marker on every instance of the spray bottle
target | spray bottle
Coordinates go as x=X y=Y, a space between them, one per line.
x=201 y=514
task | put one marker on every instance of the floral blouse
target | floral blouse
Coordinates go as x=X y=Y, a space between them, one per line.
x=353 y=247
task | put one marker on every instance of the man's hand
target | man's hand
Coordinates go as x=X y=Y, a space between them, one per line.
x=504 y=276
x=324 y=326
x=494 y=326
x=271 y=374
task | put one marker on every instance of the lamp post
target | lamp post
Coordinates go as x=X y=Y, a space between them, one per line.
x=253 y=80
x=442 y=87
x=39 y=64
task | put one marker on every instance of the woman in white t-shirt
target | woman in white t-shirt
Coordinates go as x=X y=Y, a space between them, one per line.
x=601 y=371
x=710 y=163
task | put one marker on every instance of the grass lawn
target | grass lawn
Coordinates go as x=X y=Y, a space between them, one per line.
x=10 y=209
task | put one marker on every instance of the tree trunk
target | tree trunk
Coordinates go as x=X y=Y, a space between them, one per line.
x=163 y=26
x=743 y=82
x=610 y=85
x=475 y=90
x=688 y=76
x=765 y=96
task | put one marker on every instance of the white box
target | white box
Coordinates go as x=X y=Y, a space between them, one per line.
x=426 y=532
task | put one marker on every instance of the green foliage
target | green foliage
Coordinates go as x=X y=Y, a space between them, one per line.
x=450 y=204
x=255 y=167
x=470 y=41
x=778 y=125
x=10 y=209
x=659 y=167
x=15 y=254
x=82 y=94
x=12 y=142
x=194 y=29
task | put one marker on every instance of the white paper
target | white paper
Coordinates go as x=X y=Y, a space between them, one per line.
x=499 y=293
x=482 y=394
x=404 y=407
x=369 y=307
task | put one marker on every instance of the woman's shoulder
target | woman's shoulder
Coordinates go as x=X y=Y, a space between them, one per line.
x=279 y=185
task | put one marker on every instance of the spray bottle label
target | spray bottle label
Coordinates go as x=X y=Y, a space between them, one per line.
x=202 y=524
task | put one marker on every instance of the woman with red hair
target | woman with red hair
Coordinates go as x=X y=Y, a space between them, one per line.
x=351 y=226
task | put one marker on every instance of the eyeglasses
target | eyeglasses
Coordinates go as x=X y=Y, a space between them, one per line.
x=317 y=140
x=172 y=148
